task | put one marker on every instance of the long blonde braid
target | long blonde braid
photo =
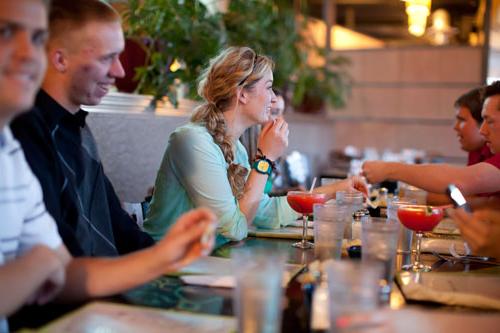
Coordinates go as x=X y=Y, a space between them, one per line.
x=234 y=67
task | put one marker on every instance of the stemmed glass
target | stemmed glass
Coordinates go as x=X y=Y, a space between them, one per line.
x=302 y=202
x=420 y=218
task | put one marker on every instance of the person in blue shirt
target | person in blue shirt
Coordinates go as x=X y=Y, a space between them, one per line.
x=206 y=165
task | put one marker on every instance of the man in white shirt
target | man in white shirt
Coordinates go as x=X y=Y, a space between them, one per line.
x=33 y=260
x=28 y=235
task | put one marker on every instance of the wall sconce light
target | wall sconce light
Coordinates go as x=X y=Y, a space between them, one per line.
x=417 y=11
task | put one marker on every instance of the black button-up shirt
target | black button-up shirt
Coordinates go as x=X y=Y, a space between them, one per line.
x=62 y=153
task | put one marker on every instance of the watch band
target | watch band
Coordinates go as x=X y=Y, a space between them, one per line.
x=269 y=185
x=260 y=155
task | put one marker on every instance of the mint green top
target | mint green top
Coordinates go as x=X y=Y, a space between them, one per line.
x=193 y=173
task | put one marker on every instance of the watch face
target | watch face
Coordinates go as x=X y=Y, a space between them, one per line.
x=263 y=166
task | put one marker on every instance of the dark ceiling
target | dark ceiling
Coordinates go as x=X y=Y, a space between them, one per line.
x=387 y=20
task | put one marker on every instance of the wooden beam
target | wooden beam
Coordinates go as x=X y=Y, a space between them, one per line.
x=330 y=18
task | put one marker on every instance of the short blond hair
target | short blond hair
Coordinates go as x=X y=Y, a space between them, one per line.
x=68 y=15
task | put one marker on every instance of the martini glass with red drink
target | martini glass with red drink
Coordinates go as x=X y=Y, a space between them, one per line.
x=302 y=202
x=420 y=218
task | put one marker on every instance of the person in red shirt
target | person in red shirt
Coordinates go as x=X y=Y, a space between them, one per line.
x=467 y=122
x=480 y=177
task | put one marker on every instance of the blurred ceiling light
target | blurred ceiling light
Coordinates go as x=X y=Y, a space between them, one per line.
x=417 y=11
x=441 y=20
x=341 y=38
x=441 y=32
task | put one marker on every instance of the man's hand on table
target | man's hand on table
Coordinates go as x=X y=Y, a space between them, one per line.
x=192 y=236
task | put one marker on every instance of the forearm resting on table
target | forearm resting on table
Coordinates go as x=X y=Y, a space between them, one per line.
x=100 y=277
x=252 y=195
x=19 y=279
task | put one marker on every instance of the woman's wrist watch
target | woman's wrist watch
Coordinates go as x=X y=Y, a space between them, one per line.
x=263 y=166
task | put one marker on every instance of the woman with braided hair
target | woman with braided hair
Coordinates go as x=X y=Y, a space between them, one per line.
x=206 y=165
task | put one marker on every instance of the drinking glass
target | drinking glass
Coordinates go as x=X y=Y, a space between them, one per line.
x=353 y=201
x=302 y=202
x=420 y=218
x=258 y=294
x=405 y=234
x=329 y=223
x=412 y=194
x=380 y=241
x=352 y=289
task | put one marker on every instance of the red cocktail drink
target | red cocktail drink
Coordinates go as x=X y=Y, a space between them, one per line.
x=303 y=202
x=419 y=218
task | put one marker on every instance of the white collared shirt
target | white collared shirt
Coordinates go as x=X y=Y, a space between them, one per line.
x=24 y=221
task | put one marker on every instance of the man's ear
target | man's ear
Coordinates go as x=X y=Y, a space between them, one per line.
x=242 y=96
x=58 y=59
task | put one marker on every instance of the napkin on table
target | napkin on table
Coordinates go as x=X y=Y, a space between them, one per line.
x=472 y=290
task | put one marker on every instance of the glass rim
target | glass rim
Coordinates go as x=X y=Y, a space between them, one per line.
x=307 y=193
x=351 y=194
x=389 y=226
x=417 y=206
x=338 y=208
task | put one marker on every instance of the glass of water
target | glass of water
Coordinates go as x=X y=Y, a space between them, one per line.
x=380 y=241
x=352 y=290
x=257 y=298
x=329 y=224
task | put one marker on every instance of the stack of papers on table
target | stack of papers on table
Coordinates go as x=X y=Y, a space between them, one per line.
x=219 y=272
x=443 y=245
x=464 y=289
x=447 y=227
x=119 y=318
x=442 y=237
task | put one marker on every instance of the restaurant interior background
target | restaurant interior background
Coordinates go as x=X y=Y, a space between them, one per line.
x=402 y=86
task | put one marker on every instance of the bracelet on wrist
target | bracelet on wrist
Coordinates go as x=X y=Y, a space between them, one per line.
x=260 y=156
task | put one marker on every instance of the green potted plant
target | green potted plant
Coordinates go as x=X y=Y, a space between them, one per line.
x=178 y=37
x=270 y=28
x=317 y=87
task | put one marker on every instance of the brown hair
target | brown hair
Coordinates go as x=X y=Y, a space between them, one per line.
x=491 y=90
x=473 y=101
x=233 y=68
x=68 y=15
